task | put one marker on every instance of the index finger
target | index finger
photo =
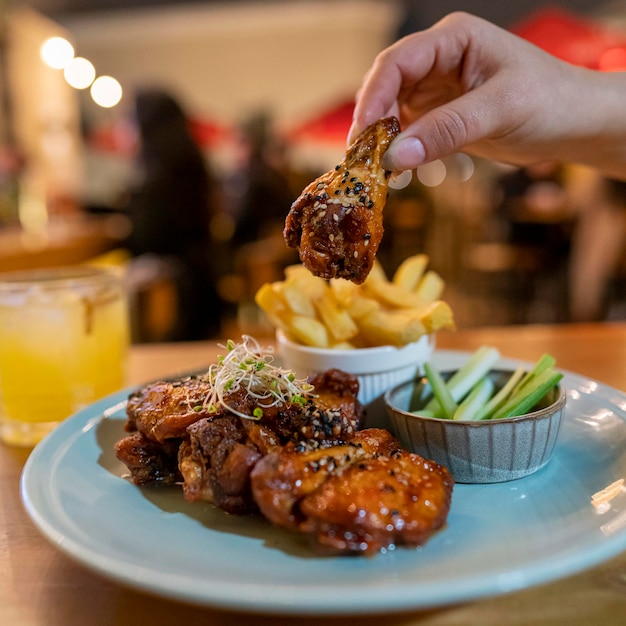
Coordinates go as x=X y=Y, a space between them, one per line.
x=403 y=65
x=376 y=98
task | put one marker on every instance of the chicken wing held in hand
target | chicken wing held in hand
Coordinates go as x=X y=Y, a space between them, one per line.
x=337 y=221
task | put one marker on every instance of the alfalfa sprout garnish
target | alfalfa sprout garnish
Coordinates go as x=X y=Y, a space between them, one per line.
x=250 y=368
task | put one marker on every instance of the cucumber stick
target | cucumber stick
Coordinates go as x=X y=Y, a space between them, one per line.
x=467 y=375
x=441 y=393
x=475 y=399
x=545 y=362
x=470 y=393
x=498 y=399
x=528 y=395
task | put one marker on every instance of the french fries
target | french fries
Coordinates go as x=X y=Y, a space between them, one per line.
x=410 y=272
x=341 y=314
x=337 y=319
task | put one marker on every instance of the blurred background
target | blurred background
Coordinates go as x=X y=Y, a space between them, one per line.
x=169 y=138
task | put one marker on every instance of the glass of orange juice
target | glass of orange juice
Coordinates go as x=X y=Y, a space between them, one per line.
x=64 y=337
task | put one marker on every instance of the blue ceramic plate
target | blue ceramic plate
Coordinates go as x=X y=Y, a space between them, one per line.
x=499 y=538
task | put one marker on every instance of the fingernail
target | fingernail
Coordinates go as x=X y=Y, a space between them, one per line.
x=404 y=153
x=352 y=132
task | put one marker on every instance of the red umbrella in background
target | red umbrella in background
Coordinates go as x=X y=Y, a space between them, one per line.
x=210 y=134
x=330 y=126
x=578 y=40
x=321 y=139
x=118 y=136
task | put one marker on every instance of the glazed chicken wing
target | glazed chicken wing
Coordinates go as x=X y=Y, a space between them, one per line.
x=174 y=437
x=288 y=474
x=163 y=410
x=337 y=221
x=384 y=501
x=220 y=452
x=359 y=497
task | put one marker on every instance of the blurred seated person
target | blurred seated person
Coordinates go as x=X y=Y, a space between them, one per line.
x=263 y=195
x=170 y=209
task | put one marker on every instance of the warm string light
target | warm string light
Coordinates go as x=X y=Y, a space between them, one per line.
x=56 y=52
x=106 y=91
x=79 y=73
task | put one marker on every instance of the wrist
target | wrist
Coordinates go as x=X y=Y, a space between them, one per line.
x=600 y=139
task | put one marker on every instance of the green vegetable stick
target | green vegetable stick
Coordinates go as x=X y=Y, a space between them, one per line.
x=546 y=361
x=499 y=398
x=475 y=399
x=526 y=398
x=441 y=393
x=469 y=374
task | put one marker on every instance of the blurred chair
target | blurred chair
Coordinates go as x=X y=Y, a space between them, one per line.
x=406 y=227
x=597 y=248
x=500 y=279
x=151 y=283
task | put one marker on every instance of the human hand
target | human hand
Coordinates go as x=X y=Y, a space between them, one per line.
x=466 y=84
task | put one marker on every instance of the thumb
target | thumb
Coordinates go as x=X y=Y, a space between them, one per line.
x=405 y=153
x=444 y=130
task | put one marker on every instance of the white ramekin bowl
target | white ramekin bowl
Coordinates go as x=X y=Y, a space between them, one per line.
x=377 y=369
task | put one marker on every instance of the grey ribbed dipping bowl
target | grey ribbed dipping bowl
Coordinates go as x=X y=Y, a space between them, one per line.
x=482 y=451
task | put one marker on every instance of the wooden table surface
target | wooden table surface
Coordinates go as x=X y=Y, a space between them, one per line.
x=65 y=241
x=41 y=586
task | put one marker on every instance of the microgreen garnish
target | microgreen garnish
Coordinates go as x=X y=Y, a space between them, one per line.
x=249 y=367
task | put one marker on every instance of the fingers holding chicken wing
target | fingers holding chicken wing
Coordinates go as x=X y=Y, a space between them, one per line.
x=337 y=221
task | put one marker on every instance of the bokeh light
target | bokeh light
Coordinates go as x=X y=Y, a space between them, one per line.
x=432 y=174
x=106 y=91
x=56 y=52
x=465 y=166
x=79 y=73
x=401 y=180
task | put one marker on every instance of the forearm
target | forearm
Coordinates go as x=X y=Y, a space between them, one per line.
x=599 y=110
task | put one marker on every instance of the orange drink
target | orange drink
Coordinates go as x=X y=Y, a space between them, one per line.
x=63 y=344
